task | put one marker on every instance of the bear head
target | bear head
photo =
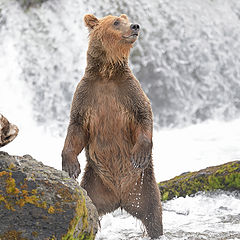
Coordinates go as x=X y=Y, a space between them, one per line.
x=111 y=37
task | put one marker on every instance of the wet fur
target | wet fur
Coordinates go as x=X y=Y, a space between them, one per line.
x=111 y=118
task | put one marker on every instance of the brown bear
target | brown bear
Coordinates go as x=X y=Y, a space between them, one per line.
x=111 y=118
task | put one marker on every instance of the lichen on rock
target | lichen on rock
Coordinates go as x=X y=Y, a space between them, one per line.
x=40 y=202
x=225 y=177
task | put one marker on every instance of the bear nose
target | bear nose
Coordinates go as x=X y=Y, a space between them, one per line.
x=134 y=27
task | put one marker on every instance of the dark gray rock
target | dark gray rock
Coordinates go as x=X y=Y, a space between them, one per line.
x=39 y=202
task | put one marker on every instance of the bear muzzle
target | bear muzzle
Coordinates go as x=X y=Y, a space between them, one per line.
x=134 y=32
x=135 y=29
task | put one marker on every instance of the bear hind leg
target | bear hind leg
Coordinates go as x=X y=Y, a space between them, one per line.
x=102 y=197
x=144 y=203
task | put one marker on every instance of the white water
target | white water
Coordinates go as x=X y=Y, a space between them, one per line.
x=210 y=217
x=42 y=56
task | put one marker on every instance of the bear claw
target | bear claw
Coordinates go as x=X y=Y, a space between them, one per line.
x=141 y=161
x=73 y=169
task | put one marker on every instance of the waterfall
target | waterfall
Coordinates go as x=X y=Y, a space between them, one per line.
x=187 y=57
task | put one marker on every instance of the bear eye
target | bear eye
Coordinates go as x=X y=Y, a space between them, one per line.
x=116 y=23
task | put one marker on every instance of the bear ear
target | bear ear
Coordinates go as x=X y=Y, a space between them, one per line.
x=90 y=21
x=124 y=16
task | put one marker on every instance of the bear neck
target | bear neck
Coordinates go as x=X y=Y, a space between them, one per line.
x=101 y=65
x=101 y=62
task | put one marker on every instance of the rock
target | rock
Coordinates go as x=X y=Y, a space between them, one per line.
x=41 y=203
x=8 y=131
x=225 y=177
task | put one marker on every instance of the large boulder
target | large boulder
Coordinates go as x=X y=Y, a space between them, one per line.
x=41 y=203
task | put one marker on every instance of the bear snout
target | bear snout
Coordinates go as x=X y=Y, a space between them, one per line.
x=135 y=27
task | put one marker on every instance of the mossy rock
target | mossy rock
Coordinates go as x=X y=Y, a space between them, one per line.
x=225 y=177
x=39 y=202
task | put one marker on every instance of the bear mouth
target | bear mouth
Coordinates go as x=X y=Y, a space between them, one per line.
x=134 y=35
x=130 y=38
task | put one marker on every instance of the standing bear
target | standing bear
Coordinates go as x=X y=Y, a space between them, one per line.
x=111 y=118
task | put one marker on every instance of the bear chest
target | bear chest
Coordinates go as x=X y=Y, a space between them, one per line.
x=109 y=117
x=110 y=132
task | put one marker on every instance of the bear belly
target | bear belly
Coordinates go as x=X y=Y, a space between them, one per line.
x=111 y=143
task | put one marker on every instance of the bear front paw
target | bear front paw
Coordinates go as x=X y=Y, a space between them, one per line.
x=141 y=154
x=72 y=167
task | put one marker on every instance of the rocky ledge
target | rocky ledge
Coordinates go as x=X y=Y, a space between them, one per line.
x=225 y=177
x=41 y=203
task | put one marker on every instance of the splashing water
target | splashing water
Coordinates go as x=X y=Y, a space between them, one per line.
x=203 y=217
x=142 y=176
